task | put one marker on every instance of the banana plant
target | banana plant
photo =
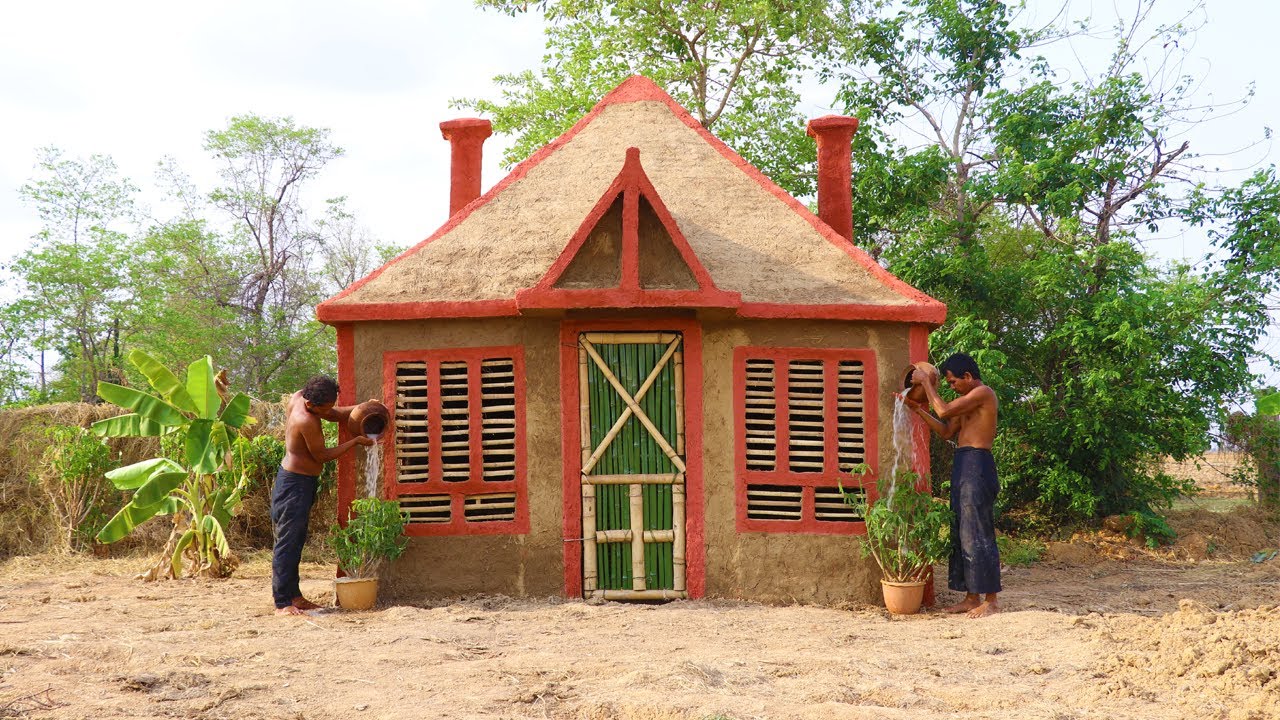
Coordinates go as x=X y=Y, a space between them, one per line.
x=201 y=493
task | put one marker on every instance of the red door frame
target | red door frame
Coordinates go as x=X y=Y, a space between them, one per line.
x=695 y=551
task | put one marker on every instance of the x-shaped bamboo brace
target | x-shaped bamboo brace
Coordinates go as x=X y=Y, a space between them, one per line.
x=633 y=406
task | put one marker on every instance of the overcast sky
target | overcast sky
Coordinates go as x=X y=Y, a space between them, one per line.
x=142 y=80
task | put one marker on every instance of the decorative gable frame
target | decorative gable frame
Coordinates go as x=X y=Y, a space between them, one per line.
x=631 y=187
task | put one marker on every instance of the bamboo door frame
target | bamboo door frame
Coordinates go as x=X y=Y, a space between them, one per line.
x=571 y=449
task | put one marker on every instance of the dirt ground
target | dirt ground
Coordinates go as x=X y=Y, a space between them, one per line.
x=1100 y=629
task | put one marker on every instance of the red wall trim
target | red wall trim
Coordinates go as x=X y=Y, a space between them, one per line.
x=846 y=311
x=346 y=396
x=327 y=313
x=475 y=484
x=808 y=524
x=571 y=446
x=918 y=349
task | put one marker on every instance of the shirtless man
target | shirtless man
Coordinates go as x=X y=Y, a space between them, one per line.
x=295 y=488
x=971 y=419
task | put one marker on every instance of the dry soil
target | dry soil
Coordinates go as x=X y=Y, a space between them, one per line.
x=1084 y=634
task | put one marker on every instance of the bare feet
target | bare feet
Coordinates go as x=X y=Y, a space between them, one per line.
x=289 y=610
x=969 y=603
x=990 y=607
x=302 y=603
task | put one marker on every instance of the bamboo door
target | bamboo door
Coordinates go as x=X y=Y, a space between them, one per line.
x=632 y=414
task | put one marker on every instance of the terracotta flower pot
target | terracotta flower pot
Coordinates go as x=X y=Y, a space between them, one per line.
x=916 y=392
x=369 y=418
x=902 y=598
x=356 y=593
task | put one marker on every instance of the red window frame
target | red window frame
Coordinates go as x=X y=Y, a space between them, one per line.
x=475 y=484
x=782 y=474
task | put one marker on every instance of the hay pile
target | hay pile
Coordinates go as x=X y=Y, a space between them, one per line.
x=27 y=526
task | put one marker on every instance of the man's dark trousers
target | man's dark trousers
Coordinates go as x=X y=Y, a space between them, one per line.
x=975 y=558
x=291 y=500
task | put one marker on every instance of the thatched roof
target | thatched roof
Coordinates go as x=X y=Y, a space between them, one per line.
x=751 y=237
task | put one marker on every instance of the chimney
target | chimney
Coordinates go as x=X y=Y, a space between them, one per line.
x=466 y=136
x=834 y=134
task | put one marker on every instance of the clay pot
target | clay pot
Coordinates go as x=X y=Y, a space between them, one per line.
x=902 y=598
x=369 y=418
x=356 y=593
x=916 y=392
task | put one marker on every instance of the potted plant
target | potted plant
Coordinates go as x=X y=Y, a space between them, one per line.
x=374 y=535
x=908 y=531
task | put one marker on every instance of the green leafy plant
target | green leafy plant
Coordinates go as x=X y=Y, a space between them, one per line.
x=72 y=476
x=1019 y=552
x=201 y=488
x=1151 y=528
x=374 y=535
x=908 y=531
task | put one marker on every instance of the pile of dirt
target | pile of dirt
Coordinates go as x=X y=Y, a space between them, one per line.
x=1235 y=534
x=1237 y=653
x=1232 y=535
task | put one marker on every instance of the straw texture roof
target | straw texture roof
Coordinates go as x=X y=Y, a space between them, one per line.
x=750 y=237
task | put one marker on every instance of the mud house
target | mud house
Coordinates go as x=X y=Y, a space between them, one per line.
x=631 y=369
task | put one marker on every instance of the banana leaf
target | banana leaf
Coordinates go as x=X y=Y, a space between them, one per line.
x=131 y=477
x=202 y=447
x=146 y=405
x=131 y=516
x=164 y=381
x=175 y=562
x=201 y=387
x=214 y=529
x=159 y=487
x=236 y=414
x=131 y=425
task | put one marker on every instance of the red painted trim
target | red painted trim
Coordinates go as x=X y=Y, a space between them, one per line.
x=781 y=475
x=931 y=314
x=633 y=89
x=328 y=313
x=346 y=396
x=918 y=351
x=632 y=183
x=626 y=298
x=571 y=445
x=475 y=485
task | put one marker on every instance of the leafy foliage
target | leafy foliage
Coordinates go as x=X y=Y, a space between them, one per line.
x=374 y=535
x=908 y=531
x=203 y=486
x=74 y=464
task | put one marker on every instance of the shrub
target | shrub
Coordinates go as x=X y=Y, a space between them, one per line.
x=73 y=477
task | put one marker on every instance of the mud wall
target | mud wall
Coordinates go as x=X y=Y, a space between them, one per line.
x=770 y=567
x=784 y=567
x=531 y=564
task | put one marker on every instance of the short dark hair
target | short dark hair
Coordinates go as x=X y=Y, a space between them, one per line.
x=320 y=390
x=958 y=364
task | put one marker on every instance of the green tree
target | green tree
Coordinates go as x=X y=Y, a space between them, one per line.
x=75 y=305
x=265 y=164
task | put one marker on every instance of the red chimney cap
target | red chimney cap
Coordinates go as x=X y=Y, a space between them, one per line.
x=478 y=127
x=831 y=122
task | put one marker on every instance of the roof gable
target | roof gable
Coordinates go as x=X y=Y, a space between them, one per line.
x=628 y=252
x=747 y=234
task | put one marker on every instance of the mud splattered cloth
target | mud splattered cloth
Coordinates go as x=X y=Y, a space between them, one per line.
x=975 y=559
